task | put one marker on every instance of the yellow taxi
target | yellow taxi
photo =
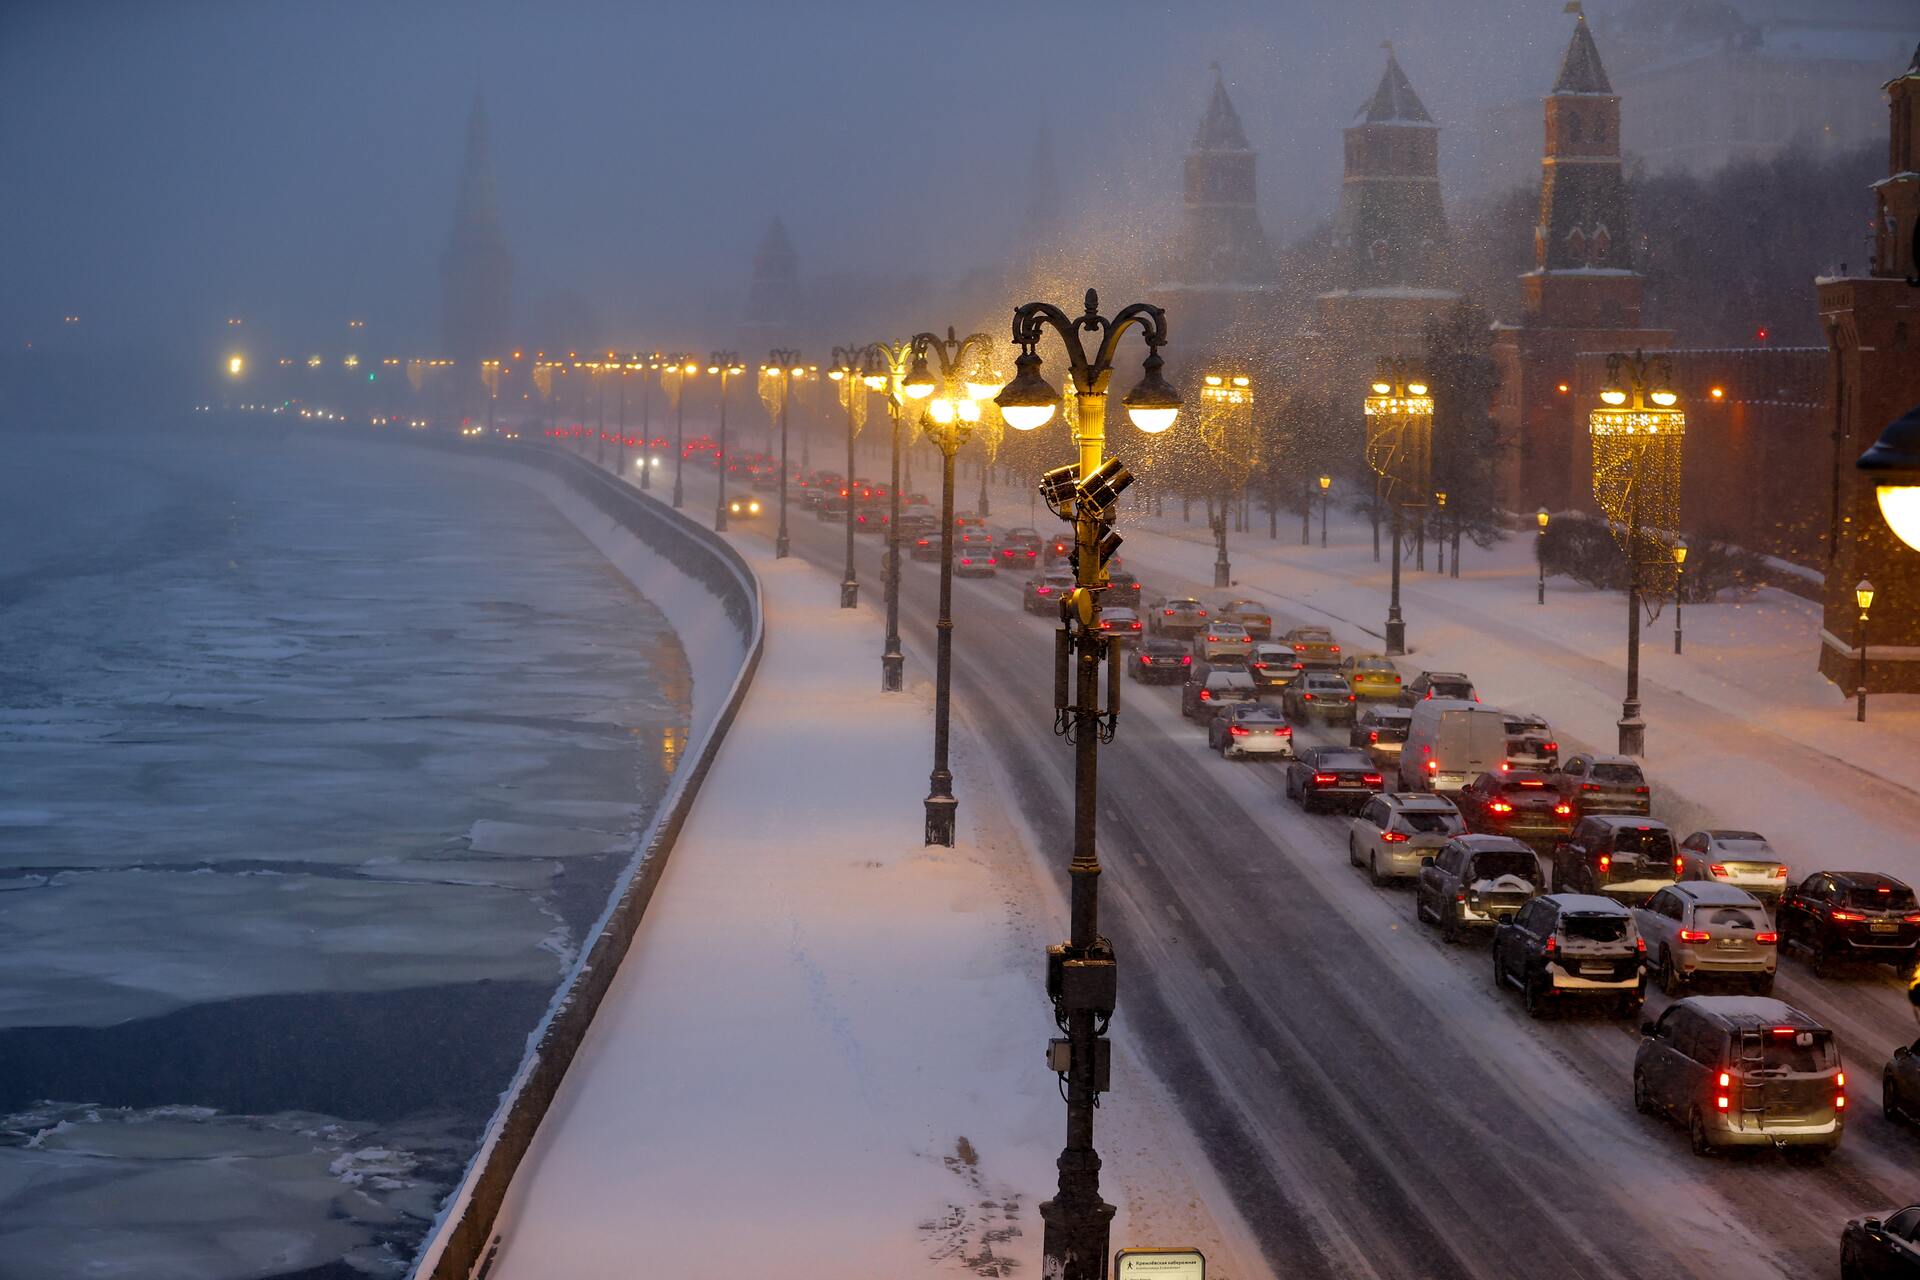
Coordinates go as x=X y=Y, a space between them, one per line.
x=1371 y=675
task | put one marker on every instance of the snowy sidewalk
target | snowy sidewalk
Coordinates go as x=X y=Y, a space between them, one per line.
x=823 y=1056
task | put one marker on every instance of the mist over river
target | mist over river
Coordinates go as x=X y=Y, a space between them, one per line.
x=318 y=757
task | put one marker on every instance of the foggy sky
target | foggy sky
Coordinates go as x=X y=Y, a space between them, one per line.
x=167 y=164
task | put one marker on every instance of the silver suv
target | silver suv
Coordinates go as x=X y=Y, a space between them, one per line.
x=1742 y=1071
x=1698 y=929
x=1394 y=832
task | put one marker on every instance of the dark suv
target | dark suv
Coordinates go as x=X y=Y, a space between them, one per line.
x=1626 y=858
x=1437 y=684
x=1572 y=946
x=1157 y=661
x=1742 y=1071
x=1860 y=915
x=1604 y=784
x=1475 y=882
x=1517 y=803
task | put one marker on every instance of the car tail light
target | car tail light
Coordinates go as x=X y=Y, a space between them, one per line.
x=1589 y=786
x=1238 y=730
x=1325 y=779
x=1256 y=666
x=1837 y=914
x=1913 y=918
x=1349 y=697
x=1186 y=659
x=1168 y=612
x=1145 y=661
x=1393 y=837
x=1784 y=1031
x=1500 y=806
x=1284 y=731
x=969 y=560
x=1717 y=870
x=1306 y=697
x=1336 y=648
x=1779 y=873
x=1039 y=591
x=1371 y=779
x=1721 y=1101
x=1553 y=945
x=1213 y=637
x=1206 y=695
x=1299 y=666
x=1840 y=1080
x=1726 y=1079
x=1640 y=791
x=1563 y=809
x=1200 y=613
x=1134 y=625
x=1839 y=1102
x=1606 y=860
x=1373 y=735
x=1768 y=939
x=1299 y=648
x=1433 y=766
x=1640 y=945
x=1694 y=935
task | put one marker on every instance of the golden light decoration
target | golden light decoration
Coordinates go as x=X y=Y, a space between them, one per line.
x=416 y=373
x=1399 y=447
x=1638 y=433
x=1226 y=430
x=351 y=362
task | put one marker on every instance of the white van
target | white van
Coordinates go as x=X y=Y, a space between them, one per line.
x=1450 y=743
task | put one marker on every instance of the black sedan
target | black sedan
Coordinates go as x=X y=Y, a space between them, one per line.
x=1333 y=778
x=1158 y=661
x=1851 y=915
x=1872 y=1248
x=1518 y=803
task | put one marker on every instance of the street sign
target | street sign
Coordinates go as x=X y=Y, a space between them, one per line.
x=1159 y=1264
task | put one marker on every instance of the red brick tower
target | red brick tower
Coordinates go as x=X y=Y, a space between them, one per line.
x=1873 y=337
x=1583 y=293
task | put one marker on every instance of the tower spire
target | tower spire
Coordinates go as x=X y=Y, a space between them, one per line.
x=1580 y=69
x=1393 y=101
x=1043 y=186
x=476 y=271
x=1223 y=243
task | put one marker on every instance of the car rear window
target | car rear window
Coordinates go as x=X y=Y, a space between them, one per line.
x=1494 y=863
x=1451 y=689
x=1897 y=897
x=1801 y=1051
x=1593 y=926
x=1728 y=918
x=1651 y=841
x=1389 y=730
x=1625 y=774
x=1426 y=821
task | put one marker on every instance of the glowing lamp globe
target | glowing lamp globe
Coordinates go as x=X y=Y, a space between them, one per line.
x=1893 y=463
x=1153 y=403
x=1029 y=401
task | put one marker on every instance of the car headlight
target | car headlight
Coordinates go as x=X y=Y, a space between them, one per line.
x=754 y=507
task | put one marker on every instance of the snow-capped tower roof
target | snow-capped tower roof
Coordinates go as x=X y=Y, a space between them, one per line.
x=775 y=254
x=1580 y=69
x=1220 y=125
x=1394 y=102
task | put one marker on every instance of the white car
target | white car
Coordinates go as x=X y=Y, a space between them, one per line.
x=1251 y=729
x=1219 y=639
x=1742 y=859
x=1394 y=830
x=1697 y=929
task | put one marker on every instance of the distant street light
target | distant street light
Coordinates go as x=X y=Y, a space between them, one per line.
x=1862 y=596
x=1894 y=463
x=236 y=365
x=1326 y=484
x=783 y=365
x=726 y=366
x=953 y=407
x=1679 y=571
x=679 y=368
x=893 y=359
x=1540 y=551
x=1082 y=974
x=1400 y=451
x=1637 y=436
x=854 y=368
x=1226 y=428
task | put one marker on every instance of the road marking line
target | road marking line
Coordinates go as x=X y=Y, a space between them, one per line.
x=1173 y=911
x=1267 y=1058
x=1213 y=976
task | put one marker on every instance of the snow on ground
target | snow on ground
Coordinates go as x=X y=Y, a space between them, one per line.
x=824 y=1053
x=1742 y=730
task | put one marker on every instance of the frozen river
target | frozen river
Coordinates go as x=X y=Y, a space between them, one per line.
x=317 y=759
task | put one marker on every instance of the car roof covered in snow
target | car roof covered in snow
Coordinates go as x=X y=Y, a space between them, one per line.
x=1711 y=893
x=1587 y=904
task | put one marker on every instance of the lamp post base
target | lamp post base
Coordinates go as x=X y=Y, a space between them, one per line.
x=1396 y=637
x=1633 y=735
x=849 y=594
x=1860 y=696
x=782 y=548
x=940 y=820
x=893 y=671
x=1074 y=1237
x=1222 y=574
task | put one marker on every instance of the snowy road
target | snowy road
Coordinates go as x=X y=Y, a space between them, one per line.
x=1377 y=1106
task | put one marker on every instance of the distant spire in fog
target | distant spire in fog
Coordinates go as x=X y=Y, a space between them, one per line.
x=476 y=271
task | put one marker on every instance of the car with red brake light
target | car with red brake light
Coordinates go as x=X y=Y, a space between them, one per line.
x=1396 y=829
x=1474 y=881
x=1181 y=616
x=1437 y=684
x=1122 y=626
x=1250 y=614
x=1618 y=856
x=1271 y=665
x=974 y=562
x=1604 y=784
x=1044 y=593
x=923 y=547
x=1743 y=859
x=1019 y=549
x=1743 y=1071
x=1696 y=929
x=1381 y=732
x=1122 y=586
x=1222 y=639
x=1851 y=915
x=1319 y=693
x=1322 y=778
x=1158 y=661
x=1518 y=803
x=1530 y=743
x=1313 y=648
x=1373 y=676
x=1209 y=689
x=1250 y=729
x=1571 y=946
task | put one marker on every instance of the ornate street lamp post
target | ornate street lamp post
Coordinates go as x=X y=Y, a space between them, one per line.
x=1679 y=571
x=1440 y=531
x=1400 y=452
x=673 y=379
x=649 y=366
x=727 y=365
x=1862 y=596
x=893 y=361
x=855 y=369
x=1226 y=427
x=783 y=365
x=1540 y=551
x=953 y=406
x=1637 y=437
x=1082 y=973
